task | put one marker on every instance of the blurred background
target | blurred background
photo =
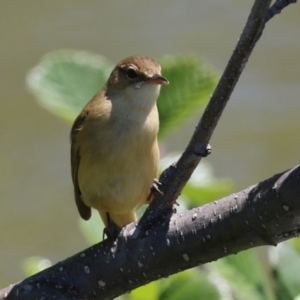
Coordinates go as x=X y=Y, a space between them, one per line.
x=257 y=136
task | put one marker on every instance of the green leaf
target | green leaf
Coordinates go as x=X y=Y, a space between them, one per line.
x=200 y=195
x=64 y=81
x=146 y=292
x=296 y=243
x=245 y=276
x=286 y=263
x=191 y=83
x=190 y=284
x=35 y=264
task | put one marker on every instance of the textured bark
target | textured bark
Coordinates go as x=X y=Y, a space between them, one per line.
x=263 y=214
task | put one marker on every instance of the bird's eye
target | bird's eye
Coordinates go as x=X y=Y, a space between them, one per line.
x=131 y=73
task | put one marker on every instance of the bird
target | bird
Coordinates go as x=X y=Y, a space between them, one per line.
x=114 y=147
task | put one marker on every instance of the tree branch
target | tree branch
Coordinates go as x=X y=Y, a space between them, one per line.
x=175 y=177
x=263 y=214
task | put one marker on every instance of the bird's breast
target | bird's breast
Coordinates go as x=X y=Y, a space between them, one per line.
x=119 y=162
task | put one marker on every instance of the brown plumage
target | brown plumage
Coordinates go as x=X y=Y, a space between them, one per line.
x=114 y=149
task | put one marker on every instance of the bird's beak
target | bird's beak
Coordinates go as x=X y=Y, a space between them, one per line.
x=158 y=79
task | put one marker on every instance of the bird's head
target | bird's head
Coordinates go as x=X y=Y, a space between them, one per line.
x=138 y=78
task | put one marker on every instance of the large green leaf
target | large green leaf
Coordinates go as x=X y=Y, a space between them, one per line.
x=64 y=81
x=191 y=83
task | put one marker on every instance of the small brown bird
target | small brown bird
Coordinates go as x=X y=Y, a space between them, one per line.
x=114 y=148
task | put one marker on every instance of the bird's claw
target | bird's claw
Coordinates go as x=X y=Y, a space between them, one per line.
x=154 y=188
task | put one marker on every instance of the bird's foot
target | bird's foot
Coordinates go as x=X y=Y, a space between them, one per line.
x=111 y=232
x=154 y=188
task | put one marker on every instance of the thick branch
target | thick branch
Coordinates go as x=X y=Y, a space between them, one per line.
x=264 y=214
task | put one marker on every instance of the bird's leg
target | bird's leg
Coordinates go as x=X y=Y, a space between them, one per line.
x=112 y=230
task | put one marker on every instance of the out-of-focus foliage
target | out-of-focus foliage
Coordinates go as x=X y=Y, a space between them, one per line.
x=191 y=83
x=35 y=264
x=285 y=262
x=65 y=80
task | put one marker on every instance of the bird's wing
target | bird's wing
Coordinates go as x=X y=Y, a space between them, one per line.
x=84 y=210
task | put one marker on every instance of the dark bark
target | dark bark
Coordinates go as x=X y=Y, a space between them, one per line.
x=163 y=244
x=175 y=177
x=263 y=214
